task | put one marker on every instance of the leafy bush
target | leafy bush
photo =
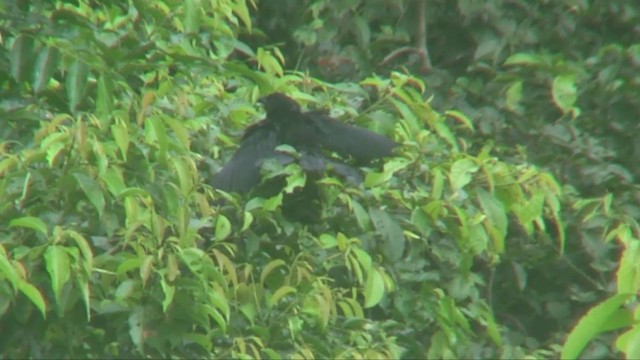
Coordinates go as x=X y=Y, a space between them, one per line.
x=112 y=243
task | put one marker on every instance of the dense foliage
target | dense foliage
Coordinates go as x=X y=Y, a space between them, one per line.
x=504 y=226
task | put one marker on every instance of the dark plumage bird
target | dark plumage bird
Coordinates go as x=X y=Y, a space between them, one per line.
x=314 y=134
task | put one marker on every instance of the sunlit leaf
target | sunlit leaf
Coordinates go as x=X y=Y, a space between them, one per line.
x=606 y=316
x=373 y=289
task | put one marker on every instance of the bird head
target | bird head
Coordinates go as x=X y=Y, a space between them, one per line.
x=279 y=106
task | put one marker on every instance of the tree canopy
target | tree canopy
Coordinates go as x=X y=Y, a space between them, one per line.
x=503 y=226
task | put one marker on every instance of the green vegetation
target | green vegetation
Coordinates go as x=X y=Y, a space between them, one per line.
x=504 y=227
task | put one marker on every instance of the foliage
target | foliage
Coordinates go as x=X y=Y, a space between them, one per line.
x=113 y=244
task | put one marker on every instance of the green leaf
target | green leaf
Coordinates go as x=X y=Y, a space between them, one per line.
x=21 y=58
x=460 y=173
x=192 y=9
x=525 y=59
x=373 y=289
x=279 y=294
x=390 y=168
x=76 y=83
x=92 y=190
x=272 y=265
x=513 y=96
x=114 y=181
x=104 y=99
x=201 y=339
x=33 y=294
x=223 y=228
x=58 y=266
x=145 y=269
x=121 y=135
x=184 y=171
x=595 y=322
x=221 y=303
x=393 y=240
x=628 y=274
x=241 y=10
x=272 y=203
x=84 y=247
x=180 y=131
x=564 y=92
x=247 y=221
x=7 y=270
x=83 y=285
x=136 y=328
x=169 y=292
x=31 y=223
x=156 y=134
x=629 y=342
x=462 y=118
x=361 y=215
x=44 y=68
x=362 y=31
x=496 y=219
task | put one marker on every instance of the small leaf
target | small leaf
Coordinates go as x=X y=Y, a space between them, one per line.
x=513 y=96
x=184 y=171
x=136 y=328
x=31 y=223
x=247 y=220
x=594 y=323
x=361 y=215
x=241 y=10
x=192 y=9
x=496 y=219
x=460 y=174
x=524 y=59
x=374 y=289
x=279 y=294
x=272 y=265
x=223 y=228
x=221 y=303
x=104 y=99
x=21 y=58
x=91 y=190
x=156 y=133
x=121 y=136
x=462 y=118
x=76 y=83
x=564 y=92
x=83 y=285
x=393 y=240
x=7 y=270
x=114 y=181
x=169 y=291
x=44 y=68
x=34 y=295
x=58 y=266
x=145 y=269
x=180 y=131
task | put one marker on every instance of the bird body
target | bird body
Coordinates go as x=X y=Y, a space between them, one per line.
x=313 y=134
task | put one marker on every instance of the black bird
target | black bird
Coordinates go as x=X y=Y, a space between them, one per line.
x=314 y=134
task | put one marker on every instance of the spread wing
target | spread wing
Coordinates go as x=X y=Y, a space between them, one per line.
x=351 y=141
x=242 y=172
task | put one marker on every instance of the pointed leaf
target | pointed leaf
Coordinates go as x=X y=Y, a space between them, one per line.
x=76 y=83
x=393 y=240
x=92 y=190
x=31 y=223
x=58 y=266
x=44 y=67
x=374 y=289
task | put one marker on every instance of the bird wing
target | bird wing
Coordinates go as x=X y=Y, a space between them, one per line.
x=242 y=172
x=361 y=144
